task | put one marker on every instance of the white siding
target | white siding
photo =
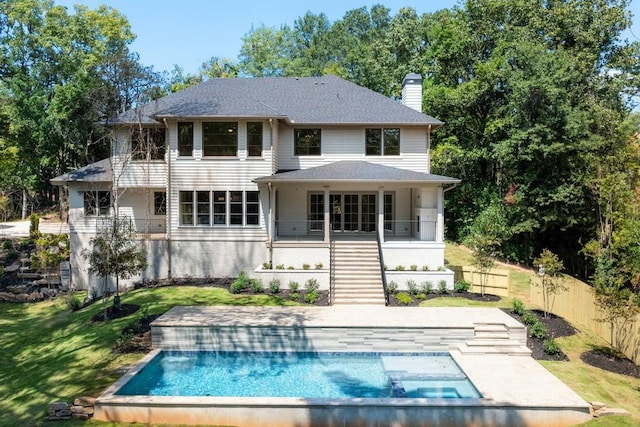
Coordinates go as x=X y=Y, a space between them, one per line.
x=348 y=143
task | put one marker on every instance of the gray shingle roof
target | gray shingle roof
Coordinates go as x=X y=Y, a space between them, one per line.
x=304 y=100
x=96 y=172
x=360 y=171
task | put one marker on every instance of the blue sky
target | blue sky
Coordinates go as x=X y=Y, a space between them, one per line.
x=189 y=32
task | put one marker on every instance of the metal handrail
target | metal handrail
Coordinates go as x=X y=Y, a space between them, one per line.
x=332 y=270
x=382 y=270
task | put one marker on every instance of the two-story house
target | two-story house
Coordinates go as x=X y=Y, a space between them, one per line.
x=269 y=173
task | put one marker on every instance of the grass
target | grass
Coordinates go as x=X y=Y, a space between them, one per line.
x=50 y=354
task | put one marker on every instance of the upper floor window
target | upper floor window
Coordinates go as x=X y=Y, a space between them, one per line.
x=307 y=142
x=254 y=139
x=148 y=144
x=185 y=139
x=382 y=142
x=219 y=138
x=97 y=202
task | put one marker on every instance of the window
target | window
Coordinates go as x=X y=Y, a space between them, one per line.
x=219 y=207
x=388 y=212
x=379 y=142
x=203 y=210
x=97 y=203
x=159 y=203
x=185 y=139
x=316 y=212
x=252 y=212
x=307 y=142
x=186 y=208
x=148 y=144
x=254 y=139
x=220 y=138
x=240 y=208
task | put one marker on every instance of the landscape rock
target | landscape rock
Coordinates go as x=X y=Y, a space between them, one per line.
x=84 y=401
x=603 y=412
x=13 y=268
x=597 y=405
x=18 y=289
x=58 y=406
x=85 y=410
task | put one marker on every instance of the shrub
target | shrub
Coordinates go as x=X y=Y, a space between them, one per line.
x=404 y=298
x=311 y=297
x=400 y=268
x=551 y=347
x=442 y=287
x=34 y=223
x=517 y=307
x=538 y=330
x=74 y=303
x=427 y=287
x=293 y=287
x=266 y=266
x=529 y=318
x=311 y=285
x=461 y=286
x=257 y=286
x=319 y=266
x=274 y=286
x=305 y=266
x=425 y=268
x=412 y=287
x=392 y=287
x=240 y=284
x=291 y=267
x=414 y=267
x=280 y=267
x=7 y=244
x=385 y=267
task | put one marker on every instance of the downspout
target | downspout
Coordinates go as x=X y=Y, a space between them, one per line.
x=271 y=230
x=168 y=215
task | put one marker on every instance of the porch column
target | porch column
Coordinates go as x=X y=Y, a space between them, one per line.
x=381 y=213
x=272 y=216
x=440 y=220
x=327 y=216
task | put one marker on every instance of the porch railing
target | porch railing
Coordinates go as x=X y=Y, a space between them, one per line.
x=382 y=270
x=140 y=226
x=299 y=229
x=410 y=230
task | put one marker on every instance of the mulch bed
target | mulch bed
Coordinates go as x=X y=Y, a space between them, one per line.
x=556 y=327
x=112 y=314
x=603 y=359
x=393 y=300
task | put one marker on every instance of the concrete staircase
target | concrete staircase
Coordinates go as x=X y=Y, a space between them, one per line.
x=495 y=339
x=357 y=273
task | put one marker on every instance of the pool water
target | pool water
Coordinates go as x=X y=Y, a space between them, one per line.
x=306 y=375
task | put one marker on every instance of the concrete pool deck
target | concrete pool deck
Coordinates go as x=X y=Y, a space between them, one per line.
x=488 y=344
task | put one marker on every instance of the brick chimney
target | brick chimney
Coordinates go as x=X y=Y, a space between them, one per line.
x=412 y=91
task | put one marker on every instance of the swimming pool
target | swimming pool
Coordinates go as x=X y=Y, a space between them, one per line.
x=328 y=375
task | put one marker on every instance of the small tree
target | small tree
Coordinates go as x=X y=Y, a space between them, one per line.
x=115 y=253
x=52 y=249
x=485 y=239
x=551 y=278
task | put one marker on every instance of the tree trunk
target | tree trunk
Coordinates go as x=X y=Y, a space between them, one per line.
x=24 y=204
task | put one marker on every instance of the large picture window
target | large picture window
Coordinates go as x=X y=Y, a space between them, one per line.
x=97 y=203
x=382 y=142
x=185 y=139
x=206 y=208
x=219 y=138
x=307 y=142
x=148 y=144
x=254 y=139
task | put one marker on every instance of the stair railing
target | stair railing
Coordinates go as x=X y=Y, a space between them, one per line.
x=332 y=268
x=383 y=273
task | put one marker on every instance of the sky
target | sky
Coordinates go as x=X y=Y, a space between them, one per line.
x=190 y=32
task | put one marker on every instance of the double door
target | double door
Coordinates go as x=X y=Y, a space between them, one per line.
x=353 y=212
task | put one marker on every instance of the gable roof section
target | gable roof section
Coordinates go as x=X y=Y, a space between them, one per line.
x=96 y=172
x=360 y=171
x=298 y=100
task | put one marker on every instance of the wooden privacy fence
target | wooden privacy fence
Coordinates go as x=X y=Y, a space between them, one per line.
x=497 y=281
x=578 y=306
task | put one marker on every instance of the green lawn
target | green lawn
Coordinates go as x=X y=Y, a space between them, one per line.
x=49 y=354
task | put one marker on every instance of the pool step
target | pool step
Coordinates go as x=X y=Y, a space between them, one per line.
x=484 y=347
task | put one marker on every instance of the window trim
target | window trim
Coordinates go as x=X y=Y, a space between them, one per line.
x=145 y=154
x=315 y=131
x=192 y=142
x=249 y=135
x=213 y=144
x=382 y=147
x=215 y=209
x=94 y=208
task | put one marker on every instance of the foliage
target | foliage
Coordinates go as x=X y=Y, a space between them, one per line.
x=241 y=283
x=517 y=307
x=34 y=224
x=257 y=286
x=399 y=267
x=73 y=302
x=461 y=286
x=311 y=285
x=442 y=287
x=51 y=250
x=404 y=298
x=305 y=266
x=529 y=318
x=311 y=297
x=7 y=244
x=293 y=287
x=413 y=267
x=266 y=266
x=551 y=279
x=280 y=267
x=551 y=347
x=274 y=286
x=392 y=287
x=115 y=252
x=319 y=266
x=538 y=330
x=427 y=287
x=412 y=287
